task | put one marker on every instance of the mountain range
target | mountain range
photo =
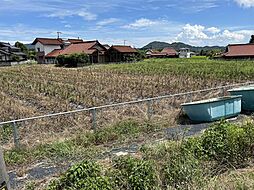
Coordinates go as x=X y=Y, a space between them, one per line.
x=177 y=45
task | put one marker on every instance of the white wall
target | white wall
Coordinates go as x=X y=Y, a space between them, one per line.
x=46 y=48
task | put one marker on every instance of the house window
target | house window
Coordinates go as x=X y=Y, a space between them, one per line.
x=38 y=49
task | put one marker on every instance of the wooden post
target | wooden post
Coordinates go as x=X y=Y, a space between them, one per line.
x=4 y=180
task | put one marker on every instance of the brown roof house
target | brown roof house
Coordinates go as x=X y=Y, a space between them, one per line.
x=239 y=51
x=96 y=51
x=119 y=53
x=44 y=46
x=165 y=53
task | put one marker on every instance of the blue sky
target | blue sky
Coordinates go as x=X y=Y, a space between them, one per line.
x=197 y=22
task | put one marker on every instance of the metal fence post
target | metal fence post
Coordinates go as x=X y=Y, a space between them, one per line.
x=190 y=98
x=222 y=92
x=94 y=124
x=15 y=135
x=149 y=109
x=4 y=179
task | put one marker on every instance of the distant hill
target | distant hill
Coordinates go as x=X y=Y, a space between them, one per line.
x=178 y=45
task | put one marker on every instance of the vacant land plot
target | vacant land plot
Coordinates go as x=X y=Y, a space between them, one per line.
x=42 y=89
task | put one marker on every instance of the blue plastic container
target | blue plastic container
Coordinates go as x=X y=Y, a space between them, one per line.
x=247 y=93
x=213 y=109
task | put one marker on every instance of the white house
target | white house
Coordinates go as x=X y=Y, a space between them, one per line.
x=44 y=46
x=185 y=53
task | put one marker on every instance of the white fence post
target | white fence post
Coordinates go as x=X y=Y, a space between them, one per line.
x=4 y=179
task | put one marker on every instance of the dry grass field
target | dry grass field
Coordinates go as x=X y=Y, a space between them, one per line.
x=34 y=90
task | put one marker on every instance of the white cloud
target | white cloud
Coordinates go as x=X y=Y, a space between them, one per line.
x=107 y=21
x=193 y=32
x=213 y=30
x=67 y=26
x=86 y=15
x=141 y=23
x=235 y=36
x=245 y=3
x=200 y=35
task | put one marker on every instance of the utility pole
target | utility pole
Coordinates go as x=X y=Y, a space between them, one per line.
x=58 y=34
x=4 y=179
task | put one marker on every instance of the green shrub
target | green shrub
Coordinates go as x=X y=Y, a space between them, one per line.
x=73 y=60
x=132 y=173
x=86 y=175
x=179 y=168
x=182 y=170
x=228 y=144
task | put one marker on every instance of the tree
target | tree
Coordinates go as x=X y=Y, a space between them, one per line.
x=22 y=47
x=252 y=39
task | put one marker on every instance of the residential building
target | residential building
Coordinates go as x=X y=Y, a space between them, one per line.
x=119 y=53
x=165 y=53
x=185 y=53
x=44 y=46
x=96 y=51
x=170 y=52
x=9 y=53
x=239 y=51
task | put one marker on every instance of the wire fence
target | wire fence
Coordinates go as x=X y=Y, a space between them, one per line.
x=37 y=129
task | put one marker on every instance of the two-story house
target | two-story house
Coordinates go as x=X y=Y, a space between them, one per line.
x=9 y=53
x=44 y=46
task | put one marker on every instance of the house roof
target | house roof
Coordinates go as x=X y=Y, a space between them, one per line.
x=158 y=54
x=55 y=41
x=54 y=53
x=106 y=46
x=151 y=51
x=124 y=49
x=169 y=51
x=74 y=40
x=236 y=50
x=4 y=52
x=48 y=41
x=84 y=47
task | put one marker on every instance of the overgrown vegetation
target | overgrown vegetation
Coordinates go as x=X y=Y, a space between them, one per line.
x=87 y=144
x=33 y=90
x=189 y=164
x=73 y=60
